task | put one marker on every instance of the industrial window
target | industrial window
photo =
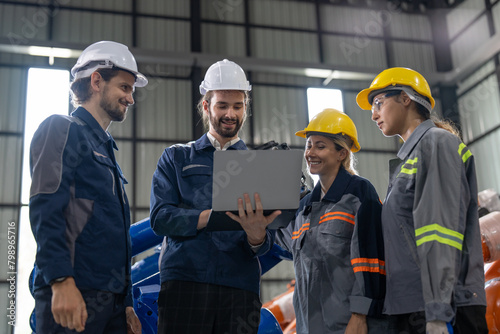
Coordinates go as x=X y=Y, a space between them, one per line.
x=47 y=94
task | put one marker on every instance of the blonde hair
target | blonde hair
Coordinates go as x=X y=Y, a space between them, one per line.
x=349 y=163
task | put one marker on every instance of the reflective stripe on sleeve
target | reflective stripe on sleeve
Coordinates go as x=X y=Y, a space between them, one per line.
x=435 y=232
x=368 y=265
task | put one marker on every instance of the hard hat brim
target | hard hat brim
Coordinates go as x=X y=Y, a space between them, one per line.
x=362 y=99
x=355 y=145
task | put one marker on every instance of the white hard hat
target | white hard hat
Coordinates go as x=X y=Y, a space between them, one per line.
x=224 y=75
x=107 y=54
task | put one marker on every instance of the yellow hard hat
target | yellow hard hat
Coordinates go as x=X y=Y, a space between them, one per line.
x=393 y=78
x=334 y=122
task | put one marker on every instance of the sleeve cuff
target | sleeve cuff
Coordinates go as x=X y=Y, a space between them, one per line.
x=439 y=312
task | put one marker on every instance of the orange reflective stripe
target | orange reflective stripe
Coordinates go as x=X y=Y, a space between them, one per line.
x=299 y=232
x=350 y=221
x=336 y=213
x=366 y=260
x=369 y=269
x=368 y=265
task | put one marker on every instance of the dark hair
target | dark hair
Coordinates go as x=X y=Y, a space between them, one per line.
x=440 y=123
x=80 y=88
x=208 y=97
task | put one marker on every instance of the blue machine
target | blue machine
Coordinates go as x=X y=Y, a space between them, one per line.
x=146 y=279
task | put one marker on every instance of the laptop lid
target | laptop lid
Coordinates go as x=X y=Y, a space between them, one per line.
x=274 y=174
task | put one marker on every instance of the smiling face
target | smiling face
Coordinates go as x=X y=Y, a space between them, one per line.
x=116 y=96
x=322 y=156
x=226 y=112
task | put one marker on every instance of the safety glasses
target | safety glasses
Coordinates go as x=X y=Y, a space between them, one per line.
x=377 y=102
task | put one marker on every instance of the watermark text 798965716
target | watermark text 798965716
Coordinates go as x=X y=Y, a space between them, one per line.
x=11 y=272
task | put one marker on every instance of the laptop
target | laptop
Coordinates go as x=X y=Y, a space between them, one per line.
x=273 y=174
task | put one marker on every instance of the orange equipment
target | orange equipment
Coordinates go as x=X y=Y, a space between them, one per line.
x=281 y=306
x=291 y=328
x=490 y=236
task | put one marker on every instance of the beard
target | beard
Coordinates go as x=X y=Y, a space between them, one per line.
x=113 y=109
x=219 y=128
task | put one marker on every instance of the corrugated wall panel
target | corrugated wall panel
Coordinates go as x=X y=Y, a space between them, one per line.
x=478 y=75
x=230 y=40
x=10 y=168
x=496 y=16
x=462 y=15
x=167 y=35
x=284 y=45
x=364 y=23
x=487 y=157
x=21 y=23
x=284 y=79
x=369 y=135
x=147 y=160
x=418 y=56
x=412 y=26
x=115 y=5
x=375 y=167
x=223 y=11
x=12 y=99
x=166 y=111
x=87 y=27
x=353 y=51
x=275 y=281
x=164 y=7
x=475 y=36
x=480 y=109
x=278 y=113
x=293 y=14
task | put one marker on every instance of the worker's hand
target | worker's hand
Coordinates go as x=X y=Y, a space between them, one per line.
x=254 y=223
x=203 y=219
x=133 y=323
x=436 y=327
x=68 y=307
x=357 y=324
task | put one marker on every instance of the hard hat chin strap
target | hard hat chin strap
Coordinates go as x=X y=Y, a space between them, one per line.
x=413 y=95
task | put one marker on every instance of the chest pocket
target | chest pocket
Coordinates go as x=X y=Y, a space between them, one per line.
x=335 y=233
x=197 y=184
x=105 y=178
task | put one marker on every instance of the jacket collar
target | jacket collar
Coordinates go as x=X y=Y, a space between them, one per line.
x=99 y=133
x=203 y=143
x=415 y=137
x=337 y=189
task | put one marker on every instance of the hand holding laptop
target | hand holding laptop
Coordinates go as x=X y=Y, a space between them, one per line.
x=253 y=223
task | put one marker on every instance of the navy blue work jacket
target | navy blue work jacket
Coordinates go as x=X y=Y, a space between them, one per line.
x=181 y=190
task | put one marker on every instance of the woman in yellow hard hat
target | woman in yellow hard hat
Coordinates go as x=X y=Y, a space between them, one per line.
x=336 y=237
x=434 y=260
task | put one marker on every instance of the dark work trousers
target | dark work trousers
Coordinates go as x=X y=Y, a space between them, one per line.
x=106 y=313
x=468 y=320
x=194 y=308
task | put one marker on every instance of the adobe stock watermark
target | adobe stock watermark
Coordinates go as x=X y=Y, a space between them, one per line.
x=225 y=7
x=372 y=28
x=40 y=19
x=11 y=272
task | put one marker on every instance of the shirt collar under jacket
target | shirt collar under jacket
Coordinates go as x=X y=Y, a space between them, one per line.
x=204 y=142
x=337 y=189
x=216 y=144
x=87 y=117
x=408 y=146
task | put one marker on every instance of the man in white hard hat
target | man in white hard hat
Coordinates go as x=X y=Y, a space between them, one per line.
x=210 y=279
x=79 y=211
